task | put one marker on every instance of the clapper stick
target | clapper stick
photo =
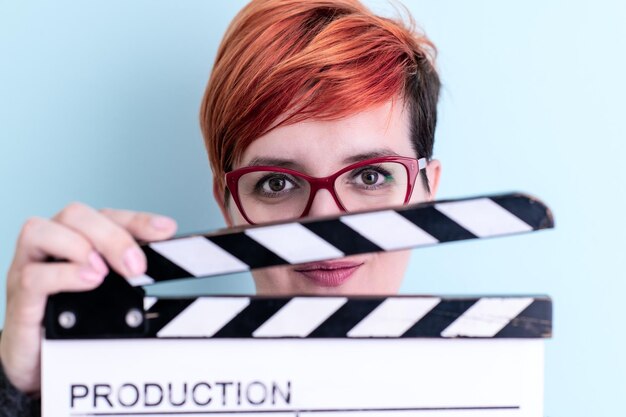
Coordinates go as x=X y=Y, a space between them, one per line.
x=116 y=307
x=238 y=250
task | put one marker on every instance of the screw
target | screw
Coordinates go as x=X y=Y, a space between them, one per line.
x=134 y=318
x=67 y=319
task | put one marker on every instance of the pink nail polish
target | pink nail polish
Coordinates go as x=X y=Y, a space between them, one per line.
x=135 y=261
x=162 y=223
x=97 y=263
x=91 y=276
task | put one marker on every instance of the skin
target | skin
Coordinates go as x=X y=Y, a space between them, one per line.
x=320 y=148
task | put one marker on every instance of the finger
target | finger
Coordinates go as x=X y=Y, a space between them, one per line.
x=41 y=238
x=144 y=226
x=110 y=239
x=38 y=280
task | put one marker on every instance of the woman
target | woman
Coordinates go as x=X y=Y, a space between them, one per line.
x=312 y=108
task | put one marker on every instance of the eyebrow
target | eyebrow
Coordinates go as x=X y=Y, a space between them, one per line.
x=275 y=162
x=377 y=153
x=291 y=164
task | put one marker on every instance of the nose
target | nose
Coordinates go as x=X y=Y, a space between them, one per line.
x=323 y=205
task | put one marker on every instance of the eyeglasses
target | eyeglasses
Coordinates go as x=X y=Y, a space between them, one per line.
x=268 y=193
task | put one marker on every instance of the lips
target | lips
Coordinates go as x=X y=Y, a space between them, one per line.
x=329 y=274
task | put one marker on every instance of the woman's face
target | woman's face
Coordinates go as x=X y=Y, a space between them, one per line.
x=319 y=149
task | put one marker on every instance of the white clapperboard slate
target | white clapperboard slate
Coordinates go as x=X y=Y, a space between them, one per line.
x=114 y=352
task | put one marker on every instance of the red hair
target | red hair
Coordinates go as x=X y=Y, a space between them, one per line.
x=289 y=60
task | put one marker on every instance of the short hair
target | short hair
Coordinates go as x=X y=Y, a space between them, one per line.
x=284 y=61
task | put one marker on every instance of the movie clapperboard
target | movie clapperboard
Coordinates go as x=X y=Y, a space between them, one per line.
x=115 y=352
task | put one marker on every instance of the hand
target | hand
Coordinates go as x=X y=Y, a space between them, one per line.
x=85 y=238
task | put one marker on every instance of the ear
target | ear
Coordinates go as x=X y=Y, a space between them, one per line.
x=433 y=172
x=218 y=194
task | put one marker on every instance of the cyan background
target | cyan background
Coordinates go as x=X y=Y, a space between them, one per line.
x=99 y=103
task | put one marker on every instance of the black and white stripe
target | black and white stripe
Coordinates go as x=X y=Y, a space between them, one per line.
x=232 y=251
x=350 y=317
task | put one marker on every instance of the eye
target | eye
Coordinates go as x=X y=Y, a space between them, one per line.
x=275 y=184
x=371 y=177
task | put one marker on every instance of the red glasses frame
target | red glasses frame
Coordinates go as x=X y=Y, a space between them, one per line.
x=412 y=165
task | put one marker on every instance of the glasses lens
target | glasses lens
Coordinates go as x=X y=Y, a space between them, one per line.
x=268 y=196
x=373 y=186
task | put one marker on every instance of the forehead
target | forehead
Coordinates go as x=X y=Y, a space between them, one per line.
x=318 y=146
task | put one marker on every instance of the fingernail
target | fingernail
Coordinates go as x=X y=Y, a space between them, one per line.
x=134 y=261
x=97 y=263
x=89 y=275
x=162 y=223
